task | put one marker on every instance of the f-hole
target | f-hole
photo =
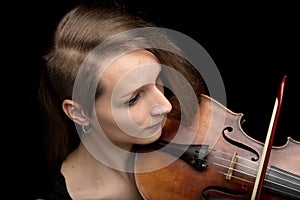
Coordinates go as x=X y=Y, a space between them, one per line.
x=238 y=144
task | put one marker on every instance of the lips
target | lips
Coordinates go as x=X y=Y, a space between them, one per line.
x=158 y=123
x=154 y=128
x=157 y=126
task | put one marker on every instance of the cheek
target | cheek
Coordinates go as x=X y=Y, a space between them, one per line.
x=140 y=117
x=105 y=117
x=105 y=120
x=125 y=120
x=130 y=120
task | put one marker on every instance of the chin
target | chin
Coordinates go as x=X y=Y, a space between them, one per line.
x=149 y=139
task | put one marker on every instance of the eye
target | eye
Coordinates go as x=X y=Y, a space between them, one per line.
x=132 y=101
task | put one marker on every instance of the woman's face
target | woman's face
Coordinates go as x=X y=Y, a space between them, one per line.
x=132 y=108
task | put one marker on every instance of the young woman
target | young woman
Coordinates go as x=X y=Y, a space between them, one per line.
x=110 y=81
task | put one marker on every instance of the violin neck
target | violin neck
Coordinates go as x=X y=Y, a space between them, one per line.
x=282 y=183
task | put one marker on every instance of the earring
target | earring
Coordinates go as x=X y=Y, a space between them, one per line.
x=86 y=129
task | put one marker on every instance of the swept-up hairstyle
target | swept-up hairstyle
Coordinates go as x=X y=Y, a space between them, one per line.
x=77 y=34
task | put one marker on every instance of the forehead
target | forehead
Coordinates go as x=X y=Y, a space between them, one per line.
x=130 y=62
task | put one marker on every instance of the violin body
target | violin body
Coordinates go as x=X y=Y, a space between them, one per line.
x=221 y=162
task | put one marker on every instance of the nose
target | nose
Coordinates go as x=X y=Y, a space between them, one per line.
x=162 y=105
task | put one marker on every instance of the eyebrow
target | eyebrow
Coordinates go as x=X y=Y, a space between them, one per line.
x=139 y=88
x=132 y=91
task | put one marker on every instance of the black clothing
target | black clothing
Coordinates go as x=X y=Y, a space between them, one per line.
x=57 y=188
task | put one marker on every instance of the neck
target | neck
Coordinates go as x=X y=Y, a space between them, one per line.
x=95 y=179
x=115 y=156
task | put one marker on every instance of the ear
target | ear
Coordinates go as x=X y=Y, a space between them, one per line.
x=74 y=111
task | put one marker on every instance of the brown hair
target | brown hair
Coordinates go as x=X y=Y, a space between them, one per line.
x=78 y=33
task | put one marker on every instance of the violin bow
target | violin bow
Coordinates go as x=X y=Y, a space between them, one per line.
x=268 y=143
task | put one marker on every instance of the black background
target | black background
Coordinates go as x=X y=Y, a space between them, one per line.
x=253 y=46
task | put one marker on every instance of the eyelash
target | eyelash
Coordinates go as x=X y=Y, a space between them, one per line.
x=133 y=100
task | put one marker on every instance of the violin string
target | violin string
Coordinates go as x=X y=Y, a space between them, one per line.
x=251 y=175
x=271 y=175
x=250 y=161
x=242 y=172
x=225 y=167
x=287 y=174
x=236 y=163
x=280 y=191
x=254 y=169
x=276 y=183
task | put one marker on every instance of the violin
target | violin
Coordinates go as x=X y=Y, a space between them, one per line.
x=221 y=162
